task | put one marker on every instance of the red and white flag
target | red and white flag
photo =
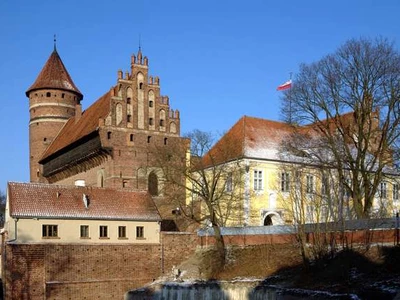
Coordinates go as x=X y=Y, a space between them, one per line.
x=285 y=86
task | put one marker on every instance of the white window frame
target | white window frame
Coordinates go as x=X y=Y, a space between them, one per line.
x=383 y=190
x=285 y=182
x=396 y=192
x=258 y=180
x=310 y=184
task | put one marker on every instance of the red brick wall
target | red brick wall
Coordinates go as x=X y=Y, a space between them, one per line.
x=176 y=248
x=349 y=237
x=77 y=271
x=89 y=271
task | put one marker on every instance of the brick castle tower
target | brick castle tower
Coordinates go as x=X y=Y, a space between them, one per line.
x=53 y=99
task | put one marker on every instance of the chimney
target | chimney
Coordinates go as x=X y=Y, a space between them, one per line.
x=78 y=112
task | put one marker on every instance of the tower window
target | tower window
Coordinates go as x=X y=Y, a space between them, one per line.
x=48 y=94
x=148 y=139
x=141 y=86
x=131 y=137
x=128 y=100
x=151 y=103
x=151 y=121
x=165 y=141
x=109 y=135
x=162 y=123
x=129 y=118
x=62 y=95
x=44 y=139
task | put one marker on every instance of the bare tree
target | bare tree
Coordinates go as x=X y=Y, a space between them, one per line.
x=203 y=183
x=347 y=105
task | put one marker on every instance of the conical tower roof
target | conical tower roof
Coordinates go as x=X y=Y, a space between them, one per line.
x=54 y=75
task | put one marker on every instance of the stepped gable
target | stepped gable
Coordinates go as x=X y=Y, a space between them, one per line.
x=66 y=202
x=87 y=124
x=54 y=75
x=249 y=138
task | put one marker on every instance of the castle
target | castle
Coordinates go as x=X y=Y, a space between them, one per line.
x=107 y=145
x=89 y=224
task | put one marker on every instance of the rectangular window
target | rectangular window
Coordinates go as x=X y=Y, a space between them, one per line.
x=310 y=184
x=84 y=231
x=50 y=231
x=121 y=232
x=325 y=185
x=139 y=232
x=103 y=231
x=228 y=183
x=258 y=180
x=395 y=192
x=383 y=190
x=285 y=182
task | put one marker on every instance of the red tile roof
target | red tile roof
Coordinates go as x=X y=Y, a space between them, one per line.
x=36 y=200
x=250 y=137
x=88 y=123
x=54 y=75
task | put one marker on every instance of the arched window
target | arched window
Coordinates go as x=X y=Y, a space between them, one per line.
x=153 y=184
x=48 y=94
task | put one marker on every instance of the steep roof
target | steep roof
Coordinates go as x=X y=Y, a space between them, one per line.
x=88 y=123
x=54 y=75
x=250 y=137
x=37 y=200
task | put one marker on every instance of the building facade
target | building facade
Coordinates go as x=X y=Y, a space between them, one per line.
x=276 y=187
x=108 y=144
x=81 y=215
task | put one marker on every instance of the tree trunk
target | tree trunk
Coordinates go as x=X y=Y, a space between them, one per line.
x=220 y=246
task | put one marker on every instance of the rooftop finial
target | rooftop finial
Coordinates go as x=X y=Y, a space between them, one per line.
x=55 y=43
x=140 y=44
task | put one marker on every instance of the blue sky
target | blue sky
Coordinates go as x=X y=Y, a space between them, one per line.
x=217 y=60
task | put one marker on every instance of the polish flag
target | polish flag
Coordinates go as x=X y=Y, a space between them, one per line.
x=285 y=86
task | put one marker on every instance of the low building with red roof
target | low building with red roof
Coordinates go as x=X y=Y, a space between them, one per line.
x=51 y=213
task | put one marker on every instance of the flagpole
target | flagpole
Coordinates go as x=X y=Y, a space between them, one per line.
x=290 y=100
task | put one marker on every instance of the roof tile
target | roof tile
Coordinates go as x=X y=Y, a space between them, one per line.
x=54 y=75
x=37 y=200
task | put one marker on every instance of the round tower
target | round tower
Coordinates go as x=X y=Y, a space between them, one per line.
x=53 y=100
